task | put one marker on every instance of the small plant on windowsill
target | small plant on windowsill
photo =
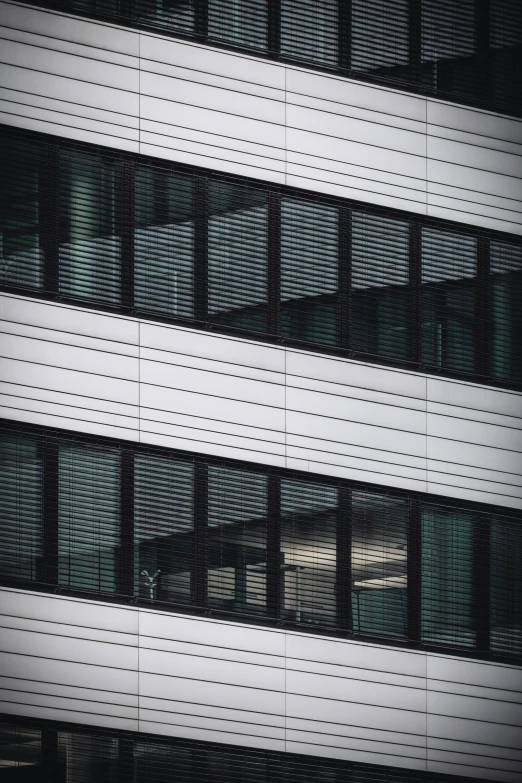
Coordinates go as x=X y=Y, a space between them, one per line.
x=150 y=582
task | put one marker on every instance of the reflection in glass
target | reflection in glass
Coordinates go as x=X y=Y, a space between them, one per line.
x=447 y=576
x=448 y=299
x=236 y=555
x=309 y=31
x=380 y=37
x=20 y=753
x=309 y=264
x=506 y=586
x=448 y=46
x=308 y=552
x=239 y=22
x=237 y=255
x=163 y=528
x=21 y=506
x=163 y=241
x=20 y=241
x=175 y=15
x=505 y=301
x=89 y=252
x=380 y=298
x=379 y=564
x=88 y=517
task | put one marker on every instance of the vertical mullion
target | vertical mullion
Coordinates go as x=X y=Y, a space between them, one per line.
x=273 y=547
x=126 y=570
x=344 y=559
x=482 y=582
x=50 y=758
x=414 y=40
x=125 y=772
x=274 y=27
x=201 y=216
x=344 y=34
x=201 y=18
x=126 y=228
x=274 y=262
x=482 y=316
x=415 y=260
x=50 y=510
x=344 y=278
x=199 y=579
x=414 y=564
x=482 y=44
x=49 y=217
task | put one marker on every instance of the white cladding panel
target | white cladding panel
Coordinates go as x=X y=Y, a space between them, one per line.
x=72 y=368
x=178 y=100
x=133 y=668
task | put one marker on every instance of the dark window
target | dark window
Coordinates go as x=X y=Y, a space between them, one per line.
x=380 y=42
x=309 y=266
x=506 y=586
x=169 y=15
x=239 y=22
x=309 y=31
x=90 y=244
x=449 y=269
x=21 y=507
x=380 y=303
x=21 y=250
x=236 y=556
x=237 y=255
x=505 y=306
x=88 y=517
x=163 y=241
x=163 y=528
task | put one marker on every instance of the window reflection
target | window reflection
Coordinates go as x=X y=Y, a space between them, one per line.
x=239 y=22
x=20 y=207
x=380 y=297
x=309 y=264
x=90 y=245
x=448 y=299
x=309 y=31
x=379 y=564
x=88 y=517
x=237 y=255
x=380 y=38
x=163 y=241
x=448 y=46
x=163 y=528
x=236 y=555
x=308 y=552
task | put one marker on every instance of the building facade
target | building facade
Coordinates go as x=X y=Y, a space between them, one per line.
x=261 y=390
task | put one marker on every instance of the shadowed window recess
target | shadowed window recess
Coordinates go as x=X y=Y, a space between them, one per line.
x=468 y=51
x=153 y=238
x=182 y=531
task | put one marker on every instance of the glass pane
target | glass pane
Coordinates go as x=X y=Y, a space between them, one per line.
x=309 y=31
x=163 y=528
x=20 y=252
x=175 y=15
x=448 y=46
x=379 y=564
x=239 y=22
x=309 y=263
x=380 y=41
x=505 y=57
x=163 y=241
x=447 y=577
x=380 y=298
x=88 y=517
x=236 y=557
x=237 y=255
x=308 y=552
x=89 y=252
x=448 y=299
x=20 y=752
x=21 y=506
x=506 y=586
x=505 y=298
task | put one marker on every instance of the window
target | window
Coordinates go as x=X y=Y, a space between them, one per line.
x=163 y=528
x=168 y=15
x=239 y=22
x=90 y=245
x=380 y=297
x=88 y=517
x=506 y=586
x=448 y=46
x=309 y=31
x=380 y=42
x=309 y=264
x=163 y=241
x=505 y=297
x=237 y=255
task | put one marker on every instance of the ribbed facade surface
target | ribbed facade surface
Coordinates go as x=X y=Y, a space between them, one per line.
x=261 y=391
